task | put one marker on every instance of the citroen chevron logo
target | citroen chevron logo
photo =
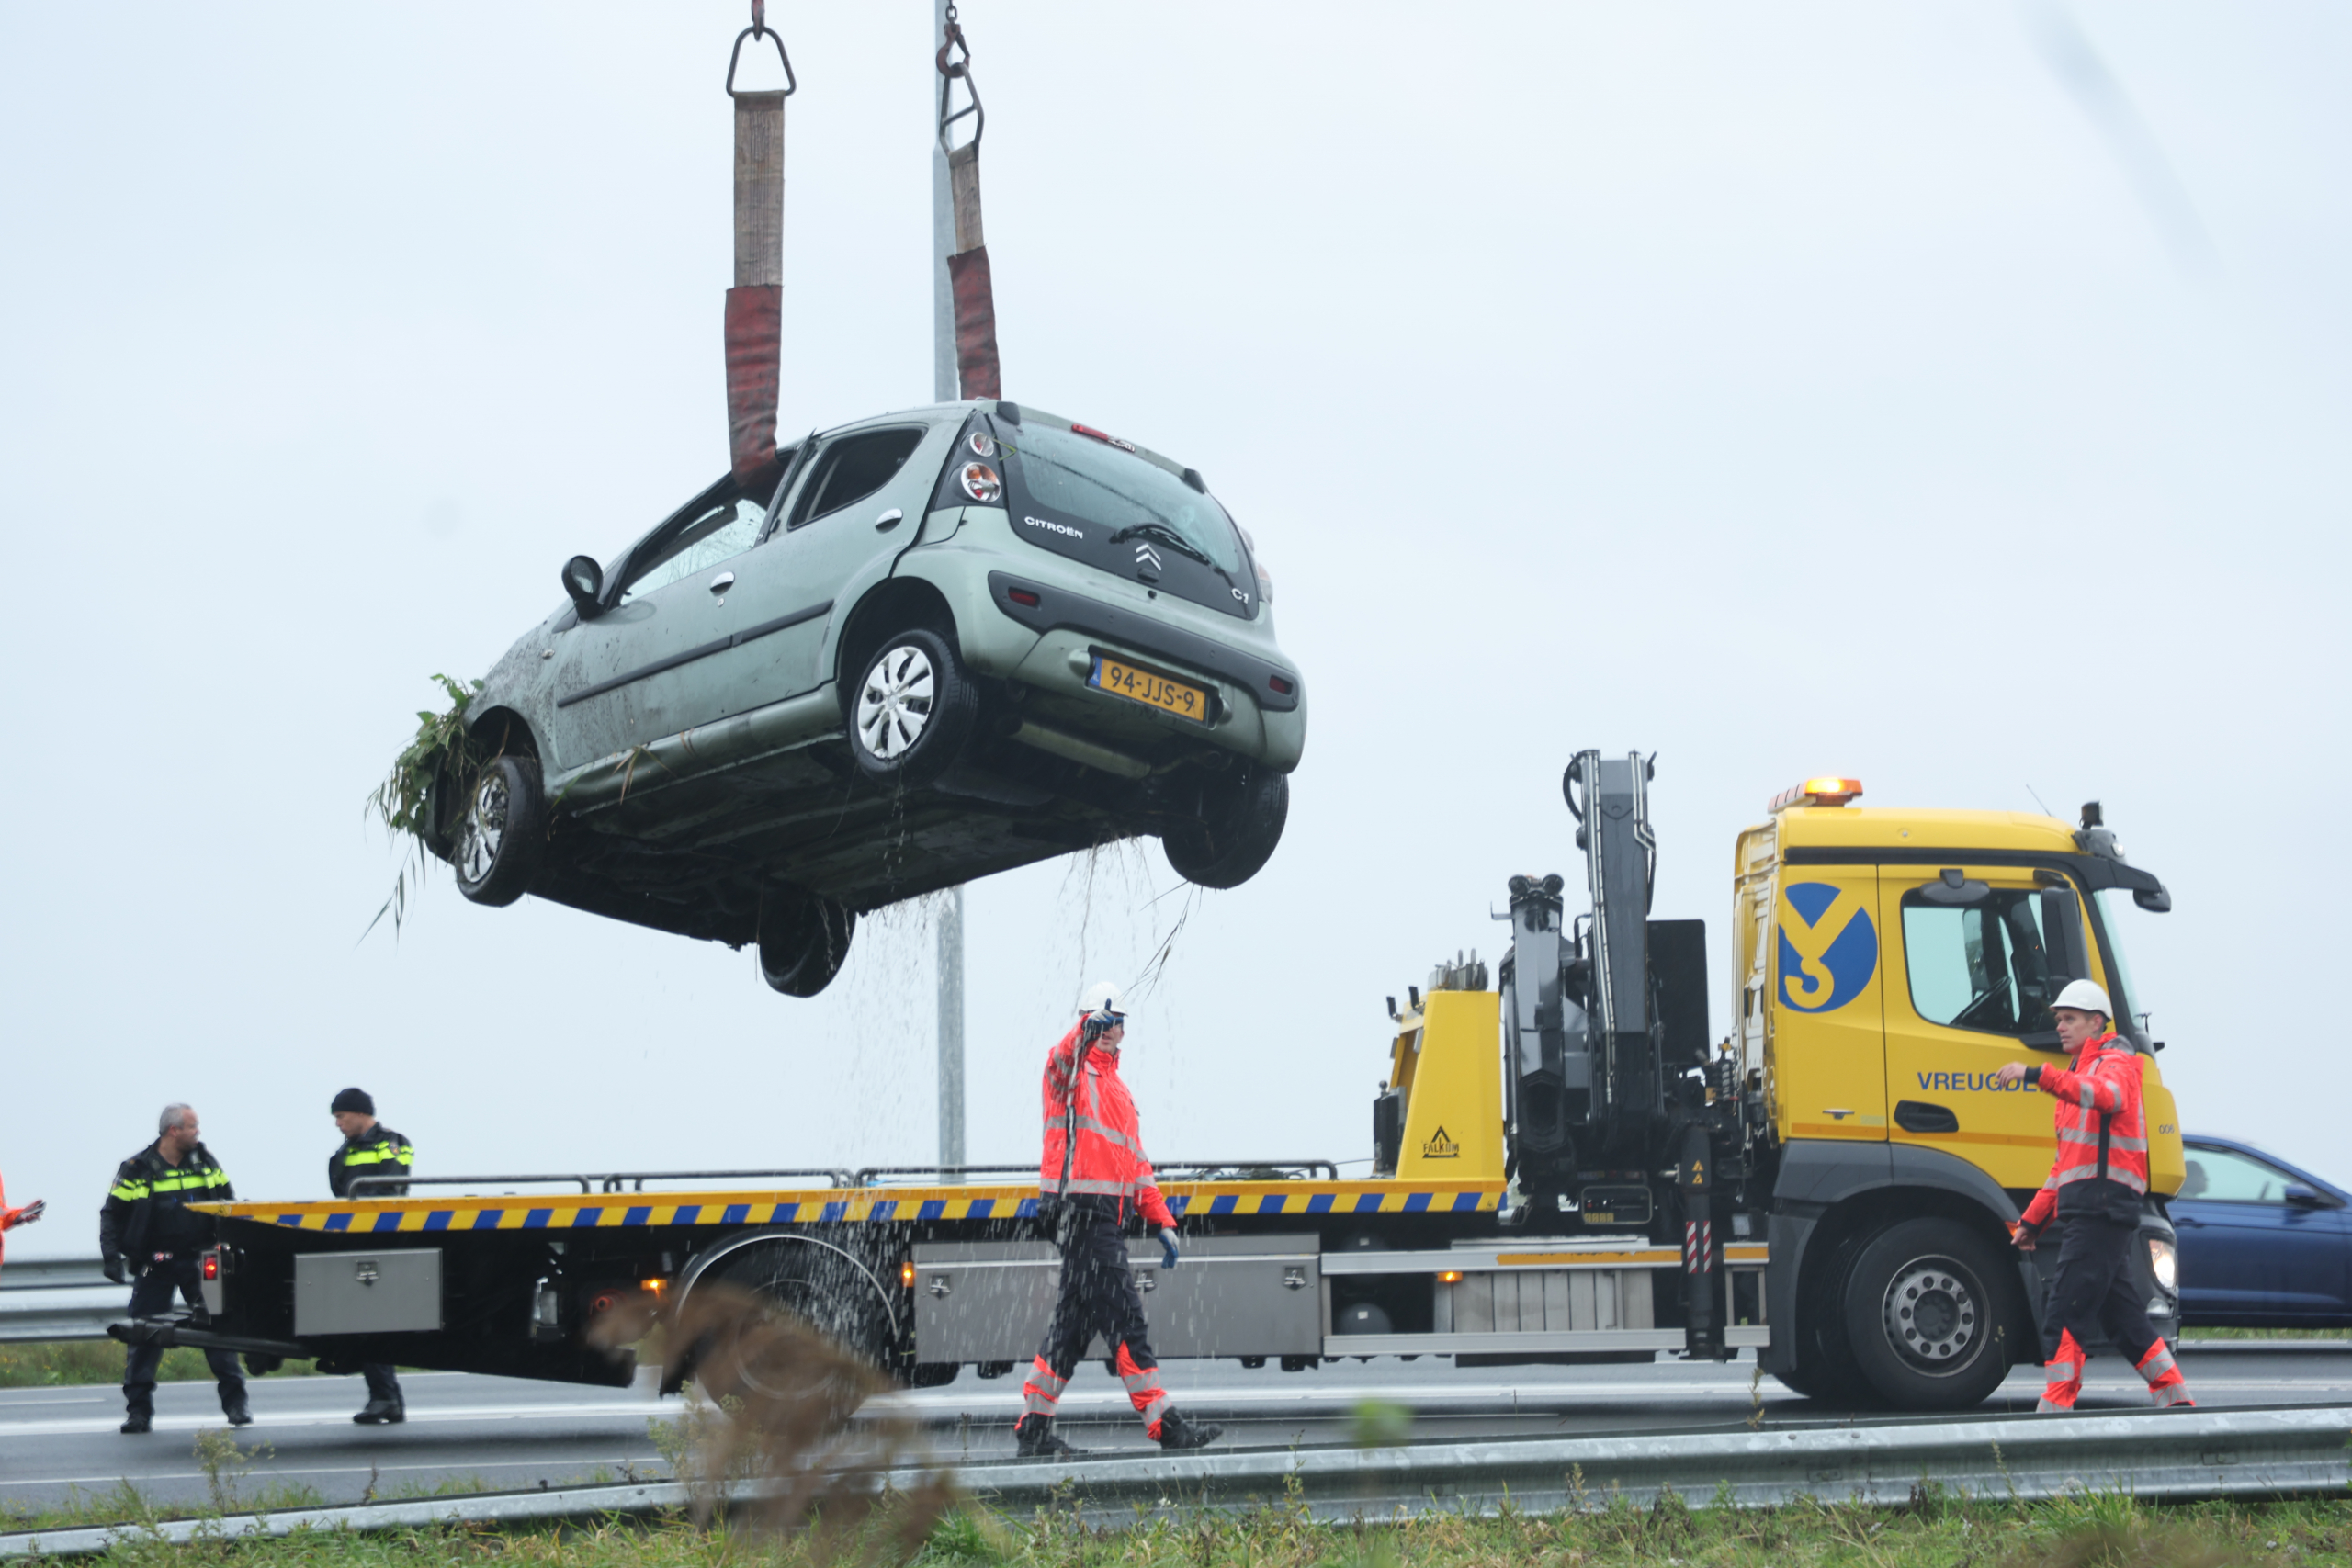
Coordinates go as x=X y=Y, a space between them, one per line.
x=1146 y=557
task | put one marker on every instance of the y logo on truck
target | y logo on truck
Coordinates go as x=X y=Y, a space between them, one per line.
x=1828 y=947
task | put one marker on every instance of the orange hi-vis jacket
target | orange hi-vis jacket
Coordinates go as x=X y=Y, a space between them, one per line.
x=2102 y=1129
x=1094 y=1143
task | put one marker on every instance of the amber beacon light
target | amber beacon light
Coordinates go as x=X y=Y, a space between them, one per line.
x=1817 y=792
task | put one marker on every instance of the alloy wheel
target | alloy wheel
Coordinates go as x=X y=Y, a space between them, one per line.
x=894 y=708
x=485 y=830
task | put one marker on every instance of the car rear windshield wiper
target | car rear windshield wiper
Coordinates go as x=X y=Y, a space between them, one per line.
x=1166 y=536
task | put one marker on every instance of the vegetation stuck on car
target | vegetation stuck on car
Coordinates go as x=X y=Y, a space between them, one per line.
x=406 y=801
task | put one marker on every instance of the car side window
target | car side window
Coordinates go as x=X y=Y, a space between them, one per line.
x=718 y=533
x=850 y=469
x=2224 y=1175
x=1982 y=966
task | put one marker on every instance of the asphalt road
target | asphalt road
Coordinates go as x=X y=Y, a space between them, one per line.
x=505 y=1433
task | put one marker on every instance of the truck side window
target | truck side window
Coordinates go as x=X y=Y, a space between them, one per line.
x=1982 y=967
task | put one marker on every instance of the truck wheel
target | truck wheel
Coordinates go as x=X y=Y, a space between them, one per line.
x=812 y=1280
x=1241 y=821
x=803 y=939
x=911 y=711
x=503 y=835
x=1923 y=1313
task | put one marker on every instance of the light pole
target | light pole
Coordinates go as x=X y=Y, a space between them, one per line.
x=951 y=914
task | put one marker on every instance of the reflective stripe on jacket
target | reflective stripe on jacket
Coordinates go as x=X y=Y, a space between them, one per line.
x=1093 y=1144
x=2102 y=1128
x=379 y=1151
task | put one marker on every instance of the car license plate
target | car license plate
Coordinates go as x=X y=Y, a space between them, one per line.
x=1153 y=690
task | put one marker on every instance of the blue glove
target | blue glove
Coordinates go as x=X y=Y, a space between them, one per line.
x=1168 y=1249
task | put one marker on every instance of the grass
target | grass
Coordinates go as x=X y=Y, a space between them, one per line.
x=2192 y=1335
x=50 y=1363
x=2088 y=1530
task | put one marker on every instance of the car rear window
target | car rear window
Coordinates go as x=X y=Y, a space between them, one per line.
x=1086 y=479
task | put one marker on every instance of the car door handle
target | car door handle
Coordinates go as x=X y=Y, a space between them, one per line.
x=722 y=582
x=889 y=520
x=2179 y=1220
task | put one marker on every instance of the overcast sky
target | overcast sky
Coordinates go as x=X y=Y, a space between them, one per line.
x=1951 y=395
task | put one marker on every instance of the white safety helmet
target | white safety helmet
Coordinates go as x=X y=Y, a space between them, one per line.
x=2086 y=996
x=1101 y=997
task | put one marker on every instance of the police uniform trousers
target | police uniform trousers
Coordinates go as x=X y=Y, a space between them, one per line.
x=151 y=1296
x=1098 y=1296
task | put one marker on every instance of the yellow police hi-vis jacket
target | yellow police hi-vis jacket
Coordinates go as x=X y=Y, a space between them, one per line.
x=379 y=1151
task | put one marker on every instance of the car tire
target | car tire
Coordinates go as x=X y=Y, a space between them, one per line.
x=502 y=832
x=1924 y=1308
x=911 y=710
x=1240 y=825
x=803 y=941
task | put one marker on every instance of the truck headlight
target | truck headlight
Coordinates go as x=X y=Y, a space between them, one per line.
x=2164 y=1263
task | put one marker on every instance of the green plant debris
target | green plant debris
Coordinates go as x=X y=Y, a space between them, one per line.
x=403 y=801
x=2104 y=1529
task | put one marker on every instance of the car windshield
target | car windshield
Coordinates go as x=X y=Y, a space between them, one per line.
x=2117 y=912
x=1090 y=479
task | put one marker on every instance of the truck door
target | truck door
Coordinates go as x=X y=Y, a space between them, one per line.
x=1828 y=1054
x=1975 y=955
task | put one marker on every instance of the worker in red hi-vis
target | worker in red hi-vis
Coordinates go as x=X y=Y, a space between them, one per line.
x=1093 y=1176
x=2097 y=1190
x=11 y=1218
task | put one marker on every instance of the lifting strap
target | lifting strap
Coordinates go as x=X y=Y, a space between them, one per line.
x=755 y=305
x=967 y=269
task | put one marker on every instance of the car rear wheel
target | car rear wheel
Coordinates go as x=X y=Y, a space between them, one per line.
x=804 y=940
x=503 y=835
x=1241 y=821
x=912 y=710
x=1923 y=1308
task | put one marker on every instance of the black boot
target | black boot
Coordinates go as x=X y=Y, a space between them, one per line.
x=1034 y=1436
x=234 y=1405
x=382 y=1413
x=139 y=1422
x=1175 y=1432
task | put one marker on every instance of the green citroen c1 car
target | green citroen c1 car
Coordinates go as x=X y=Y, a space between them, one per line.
x=912 y=651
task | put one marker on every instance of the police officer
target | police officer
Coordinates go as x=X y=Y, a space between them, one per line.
x=370 y=1148
x=147 y=1236
x=1094 y=1174
x=2096 y=1190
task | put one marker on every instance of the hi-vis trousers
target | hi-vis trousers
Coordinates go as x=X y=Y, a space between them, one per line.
x=1098 y=1296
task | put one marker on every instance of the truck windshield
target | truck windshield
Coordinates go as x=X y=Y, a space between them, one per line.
x=1091 y=480
x=2116 y=911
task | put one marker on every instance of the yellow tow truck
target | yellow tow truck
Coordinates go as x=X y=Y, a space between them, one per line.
x=1570 y=1166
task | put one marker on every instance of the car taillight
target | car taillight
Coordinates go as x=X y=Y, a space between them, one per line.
x=1279 y=685
x=1103 y=435
x=1023 y=596
x=980 y=482
x=1265 y=583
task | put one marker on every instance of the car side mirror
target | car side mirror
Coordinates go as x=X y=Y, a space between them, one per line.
x=584 y=581
x=2307 y=1197
x=1953 y=891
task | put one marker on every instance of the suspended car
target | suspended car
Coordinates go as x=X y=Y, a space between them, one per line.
x=912 y=651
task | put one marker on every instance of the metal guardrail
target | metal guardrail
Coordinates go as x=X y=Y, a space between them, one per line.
x=58 y=1298
x=2154 y=1456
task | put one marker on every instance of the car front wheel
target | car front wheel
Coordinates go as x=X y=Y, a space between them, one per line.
x=804 y=940
x=1240 y=822
x=911 y=711
x=503 y=835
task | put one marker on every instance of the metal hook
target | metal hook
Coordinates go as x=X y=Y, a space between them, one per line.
x=951 y=71
x=759 y=29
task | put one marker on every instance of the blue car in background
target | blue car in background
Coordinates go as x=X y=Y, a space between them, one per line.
x=2263 y=1245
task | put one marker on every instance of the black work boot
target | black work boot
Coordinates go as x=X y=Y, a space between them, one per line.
x=139 y=1422
x=234 y=1405
x=1175 y=1432
x=382 y=1413
x=1034 y=1436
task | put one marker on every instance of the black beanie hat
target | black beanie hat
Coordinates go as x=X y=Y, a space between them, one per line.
x=354 y=1099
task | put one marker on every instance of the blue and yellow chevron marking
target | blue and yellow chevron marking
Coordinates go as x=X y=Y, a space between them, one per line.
x=834 y=1205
